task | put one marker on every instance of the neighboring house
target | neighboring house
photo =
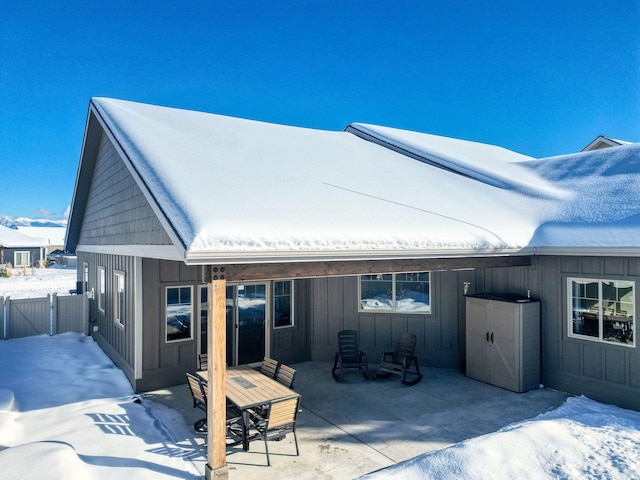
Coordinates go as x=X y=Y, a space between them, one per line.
x=604 y=142
x=372 y=228
x=53 y=235
x=20 y=250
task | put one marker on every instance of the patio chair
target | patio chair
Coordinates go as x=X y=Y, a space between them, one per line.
x=402 y=361
x=199 y=393
x=349 y=356
x=275 y=422
x=286 y=375
x=203 y=361
x=269 y=367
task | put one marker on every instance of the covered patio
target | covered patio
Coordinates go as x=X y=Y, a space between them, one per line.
x=351 y=428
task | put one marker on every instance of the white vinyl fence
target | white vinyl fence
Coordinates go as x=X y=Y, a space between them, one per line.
x=50 y=315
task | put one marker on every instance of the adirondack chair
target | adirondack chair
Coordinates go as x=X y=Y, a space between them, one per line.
x=402 y=361
x=349 y=356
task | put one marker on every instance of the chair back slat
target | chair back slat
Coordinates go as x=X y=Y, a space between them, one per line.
x=198 y=390
x=283 y=412
x=406 y=345
x=269 y=367
x=203 y=361
x=348 y=346
x=286 y=375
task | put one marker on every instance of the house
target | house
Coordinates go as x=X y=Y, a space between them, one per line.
x=20 y=250
x=300 y=233
x=603 y=142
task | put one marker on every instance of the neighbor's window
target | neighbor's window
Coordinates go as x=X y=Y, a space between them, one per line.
x=601 y=310
x=118 y=300
x=179 y=313
x=396 y=292
x=283 y=304
x=101 y=289
x=21 y=259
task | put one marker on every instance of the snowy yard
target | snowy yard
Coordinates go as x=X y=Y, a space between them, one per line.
x=67 y=412
x=38 y=282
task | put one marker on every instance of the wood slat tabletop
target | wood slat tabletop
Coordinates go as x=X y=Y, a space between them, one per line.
x=247 y=387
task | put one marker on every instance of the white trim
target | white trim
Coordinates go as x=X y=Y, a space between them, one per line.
x=394 y=310
x=212 y=257
x=165 y=305
x=102 y=289
x=292 y=322
x=162 y=252
x=600 y=314
x=138 y=318
x=118 y=313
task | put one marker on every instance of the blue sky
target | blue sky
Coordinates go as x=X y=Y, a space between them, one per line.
x=539 y=77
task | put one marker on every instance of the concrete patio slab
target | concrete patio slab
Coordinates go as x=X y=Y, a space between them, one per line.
x=347 y=429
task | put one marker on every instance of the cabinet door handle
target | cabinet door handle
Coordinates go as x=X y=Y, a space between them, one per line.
x=491 y=337
x=487 y=337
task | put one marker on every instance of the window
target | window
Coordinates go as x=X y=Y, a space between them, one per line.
x=101 y=289
x=179 y=313
x=395 y=292
x=119 y=298
x=283 y=304
x=601 y=310
x=22 y=259
x=85 y=278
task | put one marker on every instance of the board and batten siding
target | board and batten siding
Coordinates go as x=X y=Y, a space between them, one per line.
x=606 y=372
x=117 y=212
x=117 y=341
x=440 y=334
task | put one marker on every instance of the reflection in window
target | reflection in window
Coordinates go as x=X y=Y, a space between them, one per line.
x=118 y=301
x=283 y=304
x=602 y=310
x=396 y=292
x=179 y=313
x=101 y=289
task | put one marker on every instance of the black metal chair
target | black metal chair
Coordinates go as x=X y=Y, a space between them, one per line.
x=275 y=422
x=402 y=361
x=349 y=356
x=199 y=393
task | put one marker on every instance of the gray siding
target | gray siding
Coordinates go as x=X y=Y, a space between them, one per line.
x=440 y=334
x=602 y=371
x=117 y=341
x=117 y=213
x=7 y=255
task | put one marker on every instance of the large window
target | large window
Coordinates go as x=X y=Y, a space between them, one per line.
x=119 y=298
x=101 y=289
x=283 y=304
x=396 y=292
x=22 y=259
x=179 y=313
x=601 y=310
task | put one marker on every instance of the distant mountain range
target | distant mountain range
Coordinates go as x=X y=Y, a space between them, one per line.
x=15 y=222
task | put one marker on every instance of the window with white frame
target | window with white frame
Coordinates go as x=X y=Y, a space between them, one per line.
x=179 y=308
x=601 y=310
x=119 y=298
x=396 y=292
x=283 y=304
x=85 y=277
x=22 y=259
x=101 y=289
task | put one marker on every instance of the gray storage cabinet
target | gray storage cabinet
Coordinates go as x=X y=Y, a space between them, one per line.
x=503 y=340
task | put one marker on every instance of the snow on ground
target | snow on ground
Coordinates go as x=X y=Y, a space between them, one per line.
x=580 y=439
x=67 y=412
x=38 y=282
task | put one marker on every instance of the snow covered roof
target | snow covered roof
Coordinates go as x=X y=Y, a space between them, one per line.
x=50 y=235
x=240 y=190
x=11 y=238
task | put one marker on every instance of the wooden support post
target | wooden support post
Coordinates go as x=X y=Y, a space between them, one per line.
x=216 y=467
